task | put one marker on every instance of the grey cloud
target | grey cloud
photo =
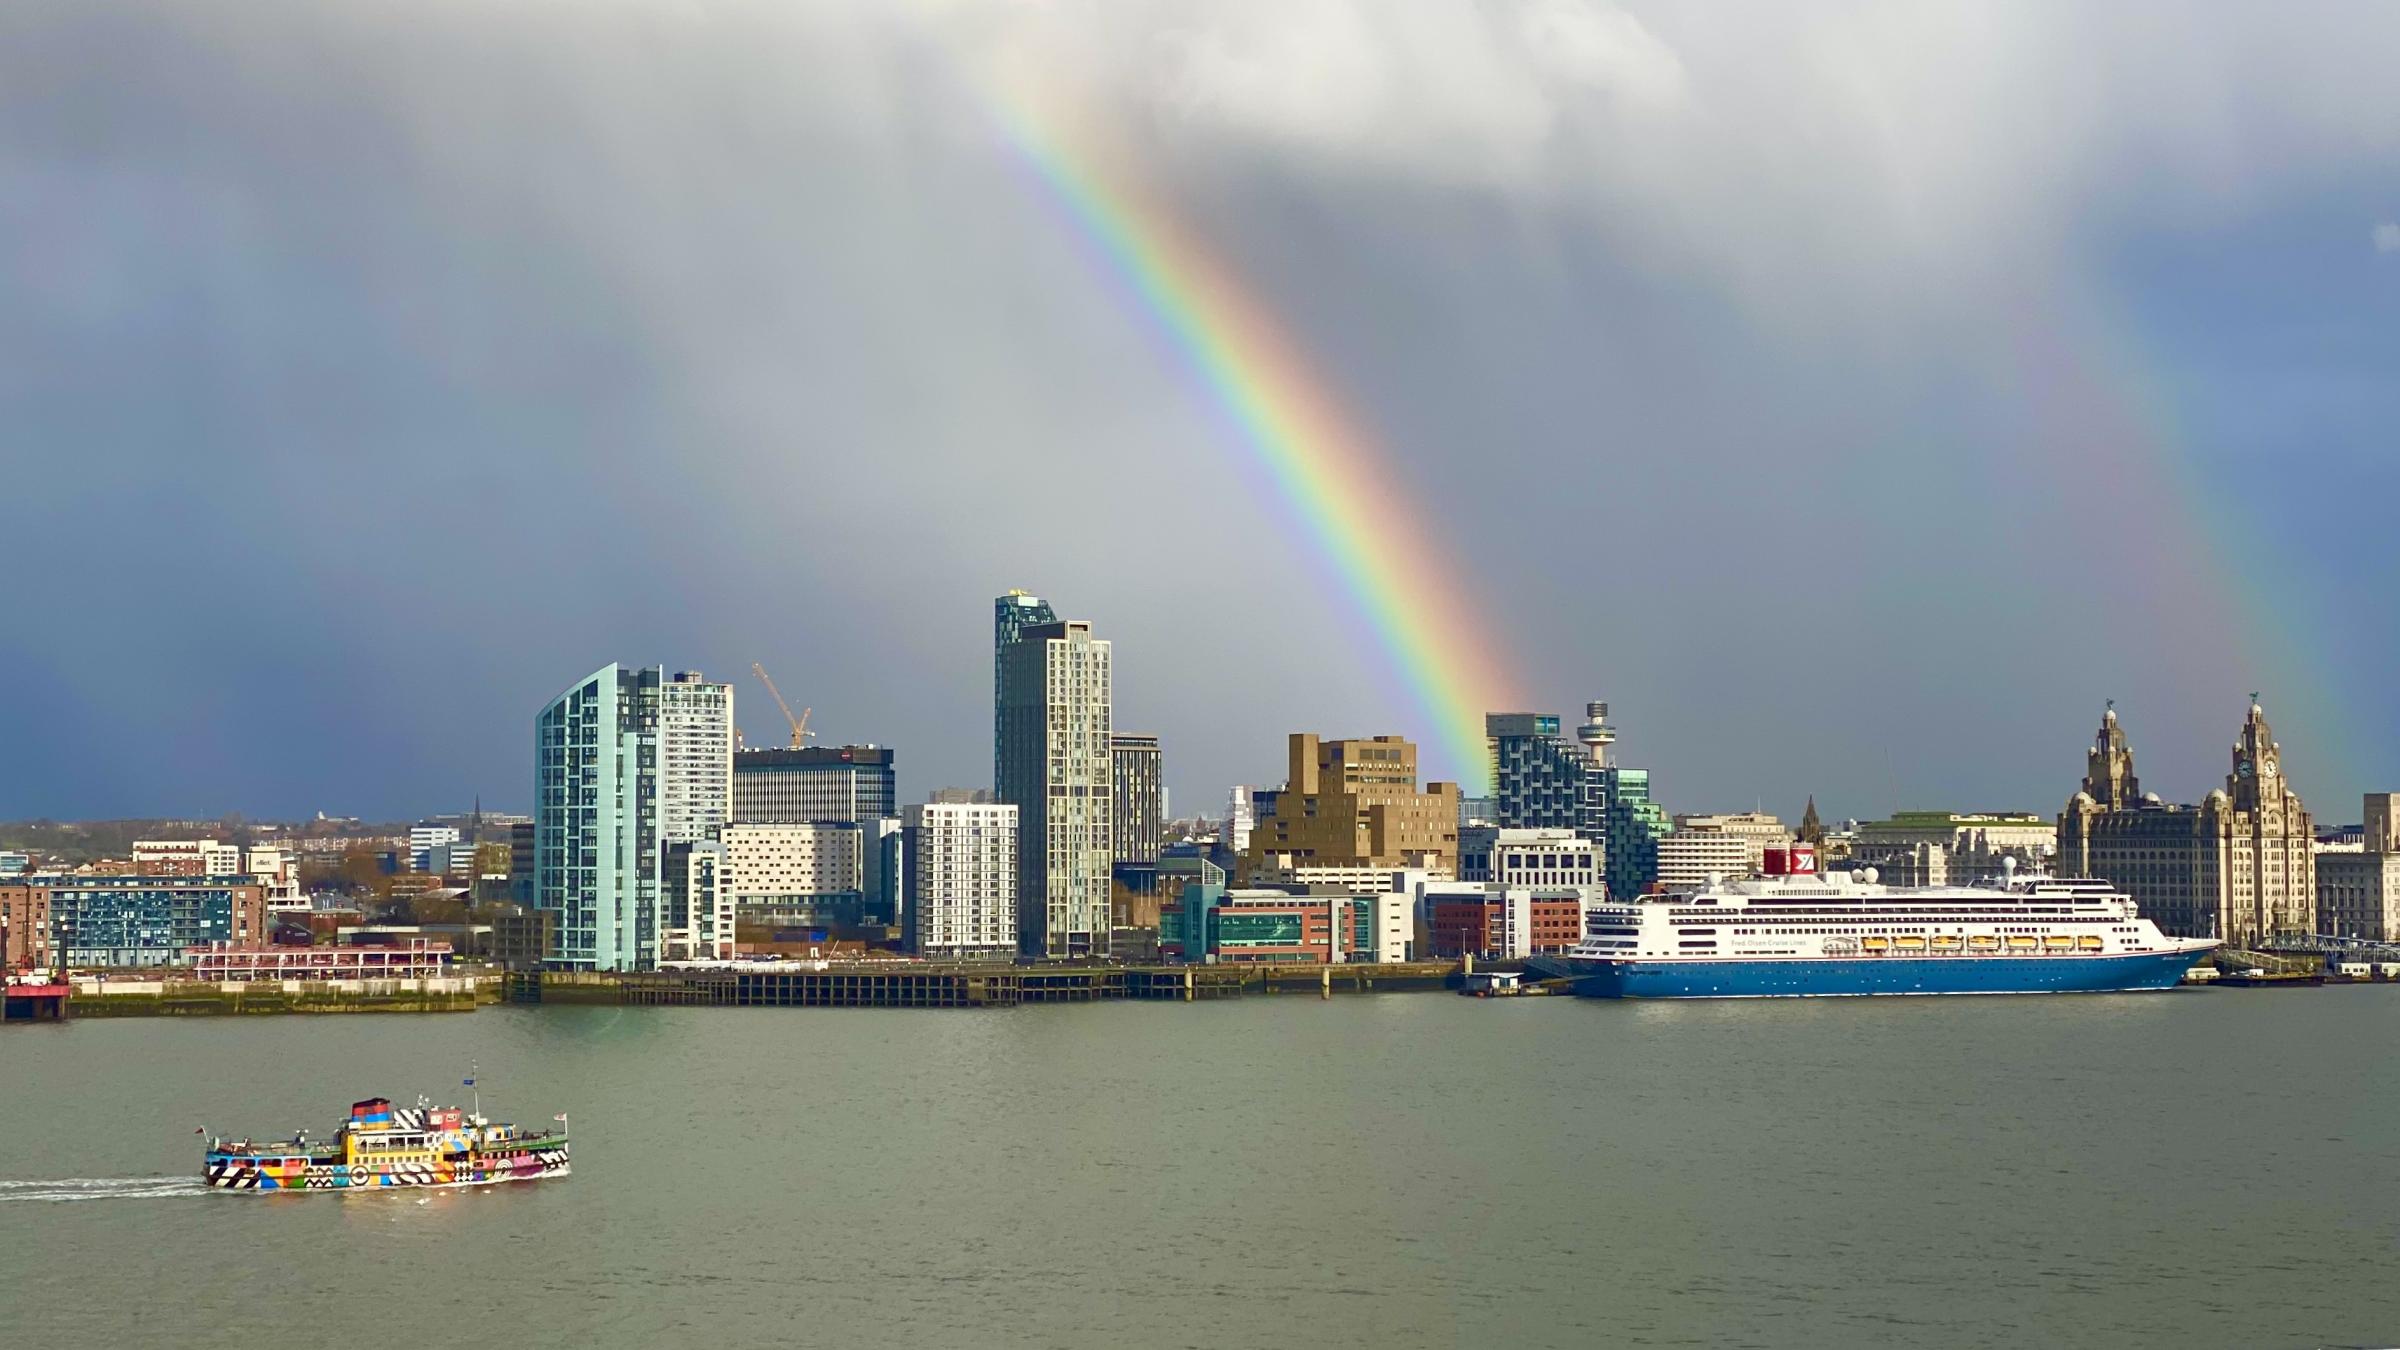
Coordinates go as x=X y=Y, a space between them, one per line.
x=454 y=351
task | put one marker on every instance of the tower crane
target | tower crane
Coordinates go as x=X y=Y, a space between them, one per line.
x=800 y=731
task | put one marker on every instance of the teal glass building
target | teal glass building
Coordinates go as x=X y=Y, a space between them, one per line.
x=1635 y=825
x=596 y=821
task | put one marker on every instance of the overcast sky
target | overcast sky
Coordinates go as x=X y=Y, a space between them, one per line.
x=1854 y=395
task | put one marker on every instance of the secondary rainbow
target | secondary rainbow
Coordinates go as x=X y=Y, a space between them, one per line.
x=1326 y=465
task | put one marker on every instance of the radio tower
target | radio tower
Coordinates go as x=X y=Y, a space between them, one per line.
x=1596 y=734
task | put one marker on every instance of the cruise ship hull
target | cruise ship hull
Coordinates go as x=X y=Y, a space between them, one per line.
x=1751 y=978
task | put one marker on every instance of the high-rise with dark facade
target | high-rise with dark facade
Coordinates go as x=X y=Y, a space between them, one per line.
x=1137 y=806
x=1012 y=614
x=1051 y=729
x=784 y=787
x=1540 y=779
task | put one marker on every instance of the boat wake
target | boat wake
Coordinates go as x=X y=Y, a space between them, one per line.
x=62 y=1189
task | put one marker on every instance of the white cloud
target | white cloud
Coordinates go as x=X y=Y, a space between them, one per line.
x=2387 y=237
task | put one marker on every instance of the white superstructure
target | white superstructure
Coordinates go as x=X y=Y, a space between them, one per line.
x=1839 y=916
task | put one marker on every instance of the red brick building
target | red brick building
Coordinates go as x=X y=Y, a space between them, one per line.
x=1502 y=925
x=24 y=927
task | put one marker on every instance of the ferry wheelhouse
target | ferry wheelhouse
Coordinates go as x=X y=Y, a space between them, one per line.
x=382 y=1147
x=1796 y=932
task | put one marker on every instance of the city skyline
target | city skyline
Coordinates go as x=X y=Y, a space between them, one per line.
x=1962 y=435
x=764 y=746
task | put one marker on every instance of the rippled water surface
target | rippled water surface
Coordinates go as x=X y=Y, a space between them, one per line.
x=2199 y=1168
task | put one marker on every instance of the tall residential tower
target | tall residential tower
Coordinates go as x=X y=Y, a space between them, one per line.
x=1012 y=614
x=1543 y=781
x=1137 y=796
x=1055 y=764
x=597 y=821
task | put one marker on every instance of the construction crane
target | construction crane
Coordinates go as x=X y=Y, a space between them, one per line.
x=800 y=731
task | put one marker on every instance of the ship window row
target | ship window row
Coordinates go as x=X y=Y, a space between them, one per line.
x=1777 y=932
x=1929 y=916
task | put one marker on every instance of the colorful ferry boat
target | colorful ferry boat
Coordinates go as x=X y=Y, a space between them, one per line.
x=1794 y=932
x=382 y=1147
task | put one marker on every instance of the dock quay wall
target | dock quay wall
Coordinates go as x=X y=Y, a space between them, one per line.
x=213 y=998
x=967 y=986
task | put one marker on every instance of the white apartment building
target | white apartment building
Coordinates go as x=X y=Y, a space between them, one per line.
x=1758 y=830
x=962 y=887
x=1688 y=858
x=278 y=872
x=695 y=757
x=424 y=842
x=187 y=857
x=700 y=910
x=1241 y=817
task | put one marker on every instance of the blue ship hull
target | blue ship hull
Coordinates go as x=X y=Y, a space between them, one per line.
x=1881 y=975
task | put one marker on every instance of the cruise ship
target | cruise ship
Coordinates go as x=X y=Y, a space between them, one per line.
x=1795 y=932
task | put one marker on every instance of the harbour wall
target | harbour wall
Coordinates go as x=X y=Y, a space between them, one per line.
x=212 y=998
x=969 y=986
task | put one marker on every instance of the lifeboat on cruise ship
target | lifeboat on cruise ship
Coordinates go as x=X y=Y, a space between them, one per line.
x=2090 y=942
x=2019 y=942
x=1984 y=942
x=2058 y=941
x=1946 y=942
x=1908 y=944
x=1875 y=946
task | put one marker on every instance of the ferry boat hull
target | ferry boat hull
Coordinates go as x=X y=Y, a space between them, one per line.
x=234 y=1173
x=384 y=1148
x=1882 y=975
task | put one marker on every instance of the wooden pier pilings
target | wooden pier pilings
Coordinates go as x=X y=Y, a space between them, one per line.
x=897 y=985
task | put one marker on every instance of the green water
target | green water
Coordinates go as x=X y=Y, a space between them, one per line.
x=2200 y=1168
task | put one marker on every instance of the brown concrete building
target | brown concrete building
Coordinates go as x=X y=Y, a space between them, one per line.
x=24 y=927
x=1355 y=805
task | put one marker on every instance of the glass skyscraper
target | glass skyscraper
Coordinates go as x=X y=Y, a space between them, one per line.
x=1635 y=825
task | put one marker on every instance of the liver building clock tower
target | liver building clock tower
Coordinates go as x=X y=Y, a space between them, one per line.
x=2238 y=866
x=2272 y=871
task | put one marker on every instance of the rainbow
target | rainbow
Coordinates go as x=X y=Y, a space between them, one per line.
x=1324 y=462
x=2107 y=422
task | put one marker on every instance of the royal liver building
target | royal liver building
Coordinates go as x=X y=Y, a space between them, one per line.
x=2238 y=866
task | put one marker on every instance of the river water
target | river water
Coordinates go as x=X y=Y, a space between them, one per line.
x=2213 y=1167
